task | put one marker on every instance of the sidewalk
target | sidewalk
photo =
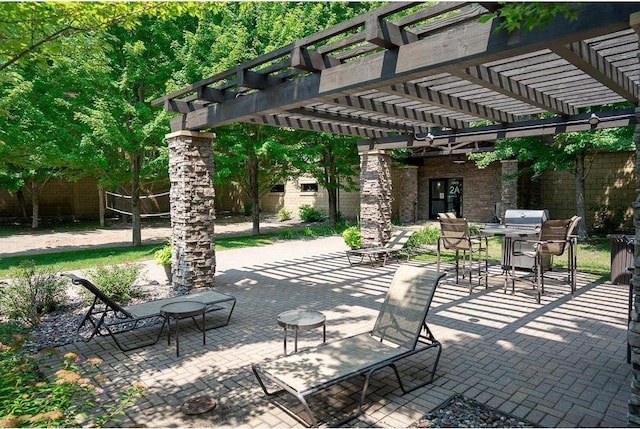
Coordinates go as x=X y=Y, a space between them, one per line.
x=560 y=363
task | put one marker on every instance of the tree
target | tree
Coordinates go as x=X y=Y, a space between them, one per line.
x=331 y=160
x=560 y=152
x=38 y=30
x=126 y=140
x=253 y=157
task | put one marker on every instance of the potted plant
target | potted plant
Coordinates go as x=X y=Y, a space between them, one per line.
x=162 y=257
x=352 y=237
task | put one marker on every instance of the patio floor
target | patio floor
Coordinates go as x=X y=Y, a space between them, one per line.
x=561 y=363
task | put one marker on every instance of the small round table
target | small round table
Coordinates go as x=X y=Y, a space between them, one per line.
x=301 y=320
x=181 y=310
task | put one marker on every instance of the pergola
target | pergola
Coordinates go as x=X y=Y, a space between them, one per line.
x=433 y=79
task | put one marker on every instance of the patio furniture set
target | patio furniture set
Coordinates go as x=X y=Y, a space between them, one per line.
x=400 y=330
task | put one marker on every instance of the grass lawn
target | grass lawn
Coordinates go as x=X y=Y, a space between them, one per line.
x=593 y=257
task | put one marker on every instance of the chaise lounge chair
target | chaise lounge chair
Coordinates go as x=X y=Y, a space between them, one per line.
x=108 y=318
x=393 y=247
x=399 y=332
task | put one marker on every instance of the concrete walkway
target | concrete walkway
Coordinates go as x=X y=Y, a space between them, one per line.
x=560 y=363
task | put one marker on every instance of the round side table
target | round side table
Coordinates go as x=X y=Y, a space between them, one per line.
x=301 y=320
x=181 y=310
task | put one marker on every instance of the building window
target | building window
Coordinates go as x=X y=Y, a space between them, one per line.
x=277 y=189
x=309 y=187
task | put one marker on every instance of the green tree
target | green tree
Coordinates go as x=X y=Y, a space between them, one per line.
x=235 y=33
x=333 y=161
x=39 y=30
x=560 y=152
x=126 y=143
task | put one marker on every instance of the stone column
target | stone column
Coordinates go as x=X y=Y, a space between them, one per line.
x=375 y=198
x=193 y=261
x=407 y=190
x=509 y=185
x=633 y=333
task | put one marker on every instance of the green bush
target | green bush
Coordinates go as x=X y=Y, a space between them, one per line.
x=310 y=214
x=247 y=209
x=118 y=282
x=29 y=399
x=284 y=214
x=32 y=292
x=427 y=235
x=352 y=237
x=162 y=256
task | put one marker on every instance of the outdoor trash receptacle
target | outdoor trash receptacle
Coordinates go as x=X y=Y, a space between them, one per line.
x=621 y=258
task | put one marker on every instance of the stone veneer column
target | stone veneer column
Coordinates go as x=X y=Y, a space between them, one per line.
x=375 y=198
x=509 y=186
x=633 y=333
x=408 y=193
x=193 y=261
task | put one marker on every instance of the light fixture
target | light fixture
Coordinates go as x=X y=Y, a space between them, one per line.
x=594 y=119
x=428 y=137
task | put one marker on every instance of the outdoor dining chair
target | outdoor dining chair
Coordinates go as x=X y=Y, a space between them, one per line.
x=555 y=238
x=474 y=249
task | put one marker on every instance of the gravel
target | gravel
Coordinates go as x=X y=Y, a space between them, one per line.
x=461 y=412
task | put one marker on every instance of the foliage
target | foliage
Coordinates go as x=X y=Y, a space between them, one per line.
x=352 y=237
x=162 y=256
x=33 y=291
x=284 y=214
x=310 y=214
x=529 y=15
x=118 y=282
x=27 y=399
x=427 y=235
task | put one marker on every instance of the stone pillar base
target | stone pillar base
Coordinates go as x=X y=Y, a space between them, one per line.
x=375 y=198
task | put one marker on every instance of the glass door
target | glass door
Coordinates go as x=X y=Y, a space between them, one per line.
x=445 y=195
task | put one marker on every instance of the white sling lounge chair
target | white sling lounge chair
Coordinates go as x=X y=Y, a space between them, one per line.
x=400 y=331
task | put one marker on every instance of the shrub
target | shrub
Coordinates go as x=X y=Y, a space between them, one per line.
x=32 y=292
x=284 y=214
x=310 y=214
x=118 y=282
x=352 y=237
x=247 y=209
x=427 y=235
x=162 y=256
x=35 y=401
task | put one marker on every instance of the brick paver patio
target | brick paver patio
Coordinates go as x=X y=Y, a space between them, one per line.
x=560 y=363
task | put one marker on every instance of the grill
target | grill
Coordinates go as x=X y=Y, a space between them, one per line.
x=524 y=219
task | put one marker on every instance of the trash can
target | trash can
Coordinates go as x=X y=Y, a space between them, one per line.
x=621 y=258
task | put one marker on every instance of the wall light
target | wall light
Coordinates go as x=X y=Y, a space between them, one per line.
x=594 y=119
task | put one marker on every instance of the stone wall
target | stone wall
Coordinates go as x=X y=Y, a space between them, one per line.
x=193 y=262
x=405 y=184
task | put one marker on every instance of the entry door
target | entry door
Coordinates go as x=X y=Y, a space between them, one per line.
x=445 y=195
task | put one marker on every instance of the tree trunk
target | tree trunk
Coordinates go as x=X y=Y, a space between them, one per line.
x=580 y=205
x=136 y=224
x=23 y=204
x=254 y=193
x=101 y=204
x=35 y=204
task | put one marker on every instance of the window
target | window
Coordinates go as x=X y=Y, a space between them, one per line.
x=277 y=188
x=309 y=187
x=445 y=196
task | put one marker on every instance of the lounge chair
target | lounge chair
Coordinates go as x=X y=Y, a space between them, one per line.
x=108 y=318
x=399 y=332
x=393 y=247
